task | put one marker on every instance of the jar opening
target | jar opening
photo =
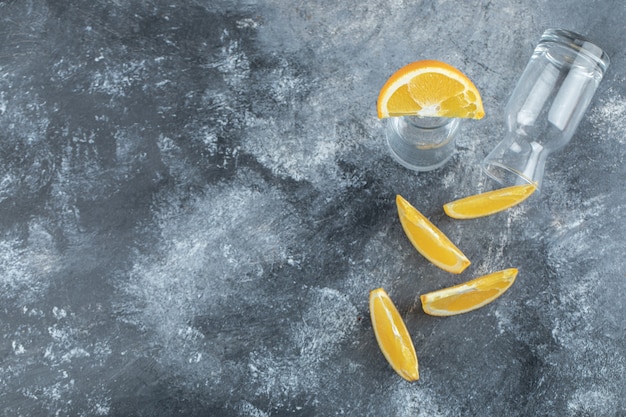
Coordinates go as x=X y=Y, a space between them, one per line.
x=579 y=44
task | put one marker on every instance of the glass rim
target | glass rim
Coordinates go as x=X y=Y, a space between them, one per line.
x=429 y=123
x=577 y=42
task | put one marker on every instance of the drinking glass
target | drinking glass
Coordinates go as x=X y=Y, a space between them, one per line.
x=546 y=106
x=422 y=143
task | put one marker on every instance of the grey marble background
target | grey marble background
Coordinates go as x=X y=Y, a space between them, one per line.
x=196 y=198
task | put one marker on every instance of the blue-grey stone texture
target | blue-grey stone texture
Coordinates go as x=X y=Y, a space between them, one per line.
x=196 y=198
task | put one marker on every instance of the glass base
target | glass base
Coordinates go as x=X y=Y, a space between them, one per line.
x=422 y=143
x=515 y=162
x=504 y=175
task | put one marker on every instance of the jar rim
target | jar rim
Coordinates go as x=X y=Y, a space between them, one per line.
x=578 y=43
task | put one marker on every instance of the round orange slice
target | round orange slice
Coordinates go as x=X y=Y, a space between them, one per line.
x=429 y=240
x=429 y=89
x=468 y=296
x=392 y=335
x=488 y=203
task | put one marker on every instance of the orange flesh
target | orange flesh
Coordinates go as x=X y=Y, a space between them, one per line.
x=392 y=335
x=429 y=240
x=468 y=296
x=488 y=203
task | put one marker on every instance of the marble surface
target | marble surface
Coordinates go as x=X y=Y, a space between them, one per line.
x=196 y=198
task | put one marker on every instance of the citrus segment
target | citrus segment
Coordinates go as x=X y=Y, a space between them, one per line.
x=468 y=296
x=392 y=335
x=429 y=89
x=429 y=240
x=491 y=202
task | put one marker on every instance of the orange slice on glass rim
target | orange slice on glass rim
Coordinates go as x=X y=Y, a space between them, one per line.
x=429 y=240
x=392 y=335
x=468 y=296
x=429 y=88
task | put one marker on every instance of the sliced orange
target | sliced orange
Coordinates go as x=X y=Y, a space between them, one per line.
x=430 y=89
x=429 y=240
x=491 y=202
x=468 y=296
x=392 y=335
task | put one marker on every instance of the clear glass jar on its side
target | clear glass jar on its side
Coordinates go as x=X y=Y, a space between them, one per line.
x=546 y=106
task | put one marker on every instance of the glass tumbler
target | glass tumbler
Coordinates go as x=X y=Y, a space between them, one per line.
x=546 y=106
x=422 y=143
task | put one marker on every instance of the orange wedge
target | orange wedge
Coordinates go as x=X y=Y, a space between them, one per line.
x=468 y=296
x=429 y=240
x=429 y=89
x=392 y=335
x=491 y=202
